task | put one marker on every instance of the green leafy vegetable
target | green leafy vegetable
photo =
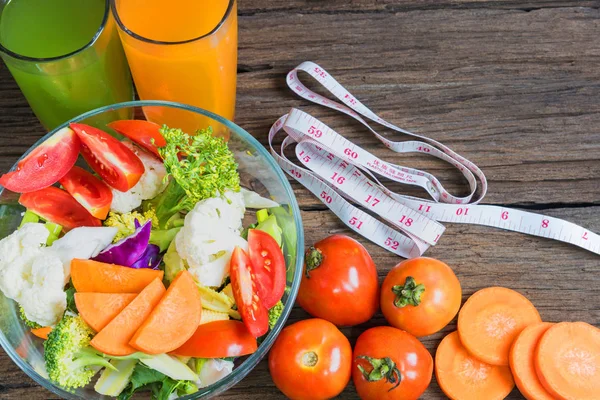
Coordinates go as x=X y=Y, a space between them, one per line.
x=286 y=222
x=161 y=386
x=207 y=168
x=70 y=291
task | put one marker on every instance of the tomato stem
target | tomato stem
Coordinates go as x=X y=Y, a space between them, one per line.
x=409 y=293
x=383 y=368
x=310 y=359
x=314 y=258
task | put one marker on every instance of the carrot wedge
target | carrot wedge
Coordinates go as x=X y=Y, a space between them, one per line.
x=174 y=320
x=98 y=309
x=567 y=361
x=522 y=364
x=42 y=332
x=491 y=319
x=94 y=276
x=114 y=338
x=463 y=377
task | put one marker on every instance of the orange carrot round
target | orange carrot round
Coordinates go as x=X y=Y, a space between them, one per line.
x=567 y=361
x=491 y=319
x=522 y=364
x=174 y=320
x=463 y=377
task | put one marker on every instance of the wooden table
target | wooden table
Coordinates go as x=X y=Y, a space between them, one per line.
x=513 y=85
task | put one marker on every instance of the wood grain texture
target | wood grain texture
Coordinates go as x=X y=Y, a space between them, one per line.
x=512 y=85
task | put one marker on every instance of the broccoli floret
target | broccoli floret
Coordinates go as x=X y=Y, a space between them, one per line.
x=69 y=356
x=126 y=225
x=207 y=168
x=28 y=322
x=275 y=313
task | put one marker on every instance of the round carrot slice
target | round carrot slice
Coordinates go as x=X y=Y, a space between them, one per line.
x=491 y=320
x=463 y=377
x=567 y=361
x=522 y=365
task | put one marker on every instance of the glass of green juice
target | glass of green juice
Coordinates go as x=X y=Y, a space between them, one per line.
x=65 y=55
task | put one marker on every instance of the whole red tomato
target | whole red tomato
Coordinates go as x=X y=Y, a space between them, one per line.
x=420 y=296
x=311 y=359
x=390 y=364
x=340 y=282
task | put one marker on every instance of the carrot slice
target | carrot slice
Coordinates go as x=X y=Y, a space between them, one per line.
x=490 y=321
x=521 y=362
x=98 y=309
x=114 y=338
x=567 y=361
x=42 y=332
x=94 y=276
x=174 y=320
x=463 y=377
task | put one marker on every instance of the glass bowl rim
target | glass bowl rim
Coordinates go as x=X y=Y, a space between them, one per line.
x=89 y=44
x=244 y=369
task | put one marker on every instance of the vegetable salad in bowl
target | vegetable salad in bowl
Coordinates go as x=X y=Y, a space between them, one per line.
x=153 y=270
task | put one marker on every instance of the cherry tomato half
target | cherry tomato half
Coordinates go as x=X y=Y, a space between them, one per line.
x=89 y=191
x=390 y=364
x=56 y=205
x=144 y=133
x=112 y=160
x=420 y=296
x=311 y=360
x=45 y=165
x=340 y=282
x=268 y=266
x=219 y=339
x=253 y=312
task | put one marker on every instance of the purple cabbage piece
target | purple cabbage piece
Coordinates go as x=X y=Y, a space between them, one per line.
x=150 y=259
x=127 y=250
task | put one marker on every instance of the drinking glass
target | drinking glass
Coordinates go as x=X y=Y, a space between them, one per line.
x=183 y=51
x=61 y=87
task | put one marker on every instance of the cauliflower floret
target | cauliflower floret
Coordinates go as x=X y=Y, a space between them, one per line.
x=82 y=242
x=149 y=186
x=17 y=252
x=210 y=233
x=44 y=300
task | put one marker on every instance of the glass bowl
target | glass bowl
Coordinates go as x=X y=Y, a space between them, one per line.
x=258 y=172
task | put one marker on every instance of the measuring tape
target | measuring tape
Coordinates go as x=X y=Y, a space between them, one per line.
x=341 y=173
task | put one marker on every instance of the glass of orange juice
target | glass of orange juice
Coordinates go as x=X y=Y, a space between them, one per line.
x=183 y=51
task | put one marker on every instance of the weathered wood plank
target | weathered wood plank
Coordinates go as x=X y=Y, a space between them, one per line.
x=512 y=85
x=390 y=6
x=515 y=95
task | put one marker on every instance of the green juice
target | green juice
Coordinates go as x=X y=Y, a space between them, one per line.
x=57 y=69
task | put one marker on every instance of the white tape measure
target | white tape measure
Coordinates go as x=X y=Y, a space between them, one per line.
x=339 y=172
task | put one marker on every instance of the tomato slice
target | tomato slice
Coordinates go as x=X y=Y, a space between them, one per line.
x=144 y=133
x=109 y=158
x=56 y=205
x=89 y=191
x=45 y=165
x=268 y=265
x=253 y=312
x=219 y=339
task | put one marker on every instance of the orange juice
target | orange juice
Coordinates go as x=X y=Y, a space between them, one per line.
x=183 y=51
